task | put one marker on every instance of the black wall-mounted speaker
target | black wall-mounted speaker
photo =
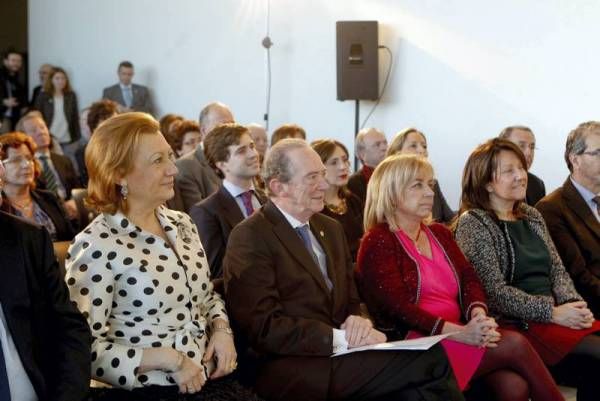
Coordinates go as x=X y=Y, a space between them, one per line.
x=357 y=60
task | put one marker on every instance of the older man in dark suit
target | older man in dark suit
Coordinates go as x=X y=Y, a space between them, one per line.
x=230 y=150
x=44 y=341
x=572 y=213
x=196 y=179
x=290 y=290
x=130 y=96
x=370 y=149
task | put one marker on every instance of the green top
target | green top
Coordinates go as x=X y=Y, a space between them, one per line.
x=532 y=259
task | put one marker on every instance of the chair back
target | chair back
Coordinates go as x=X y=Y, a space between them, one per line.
x=60 y=251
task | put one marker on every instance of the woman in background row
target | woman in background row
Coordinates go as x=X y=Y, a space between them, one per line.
x=413 y=276
x=413 y=141
x=340 y=204
x=186 y=136
x=58 y=105
x=508 y=243
x=20 y=196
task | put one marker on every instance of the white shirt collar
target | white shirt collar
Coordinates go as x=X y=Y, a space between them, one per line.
x=234 y=190
x=294 y=222
x=123 y=87
x=585 y=193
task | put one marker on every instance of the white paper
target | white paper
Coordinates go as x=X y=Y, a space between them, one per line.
x=422 y=343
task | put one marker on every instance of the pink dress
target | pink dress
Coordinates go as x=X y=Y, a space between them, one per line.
x=439 y=296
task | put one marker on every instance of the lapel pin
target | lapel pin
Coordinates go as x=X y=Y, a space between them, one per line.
x=322 y=233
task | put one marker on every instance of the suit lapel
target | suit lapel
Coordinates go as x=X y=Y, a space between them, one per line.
x=293 y=243
x=229 y=207
x=119 y=94
x=577 y=204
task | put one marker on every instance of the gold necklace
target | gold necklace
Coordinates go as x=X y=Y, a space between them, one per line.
x=25 y=207
x=342 y=208
x=416 y=240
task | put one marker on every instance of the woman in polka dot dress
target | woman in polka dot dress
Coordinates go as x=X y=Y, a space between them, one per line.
x=139 y=275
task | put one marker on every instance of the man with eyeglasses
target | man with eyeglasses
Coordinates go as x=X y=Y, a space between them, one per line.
x=523 y=137
x=370 y=148
x=572 y=212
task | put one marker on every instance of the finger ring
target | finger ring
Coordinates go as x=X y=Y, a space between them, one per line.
x=233 y=365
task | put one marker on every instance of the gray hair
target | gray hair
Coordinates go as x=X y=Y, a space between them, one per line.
x=205 y=112
x=360 y=138
x=506 y=132
x=576 y=140
x=277 y=164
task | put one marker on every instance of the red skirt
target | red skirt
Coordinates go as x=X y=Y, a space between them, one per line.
x=552 y=341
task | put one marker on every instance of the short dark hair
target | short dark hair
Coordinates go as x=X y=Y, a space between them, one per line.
x=576 y=141
x=180 y=130
x=287 y=131
x=100 y=111
x=218 y=140
x=9 y=51
x=126 y=64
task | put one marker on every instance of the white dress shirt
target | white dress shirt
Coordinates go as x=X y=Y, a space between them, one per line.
x=339 y=341
x=21 y=388
x=236 y=191
x=588 y=197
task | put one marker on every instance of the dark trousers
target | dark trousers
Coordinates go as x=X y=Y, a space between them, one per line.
x=372 y=375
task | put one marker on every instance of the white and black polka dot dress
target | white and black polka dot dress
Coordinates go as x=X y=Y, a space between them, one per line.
x=136 y=293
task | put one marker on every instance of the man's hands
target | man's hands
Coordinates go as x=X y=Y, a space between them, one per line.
x=360 y=332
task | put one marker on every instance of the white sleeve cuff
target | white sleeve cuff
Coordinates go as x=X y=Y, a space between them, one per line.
x=339 y=341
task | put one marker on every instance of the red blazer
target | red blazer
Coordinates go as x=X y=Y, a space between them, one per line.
x=390 y=283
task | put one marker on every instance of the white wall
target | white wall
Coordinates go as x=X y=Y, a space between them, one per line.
x=463 y=69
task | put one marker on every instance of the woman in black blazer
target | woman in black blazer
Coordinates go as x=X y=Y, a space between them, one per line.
x=58 y=105
x=19 y=194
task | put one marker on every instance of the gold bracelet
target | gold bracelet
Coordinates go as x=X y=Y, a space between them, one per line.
x=224 y=329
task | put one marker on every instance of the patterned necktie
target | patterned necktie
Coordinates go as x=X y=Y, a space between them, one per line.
x=127 y=96
x=247 y=201
x=48 y=174
x=305 y=236
x=4 y=385
x=597 y=201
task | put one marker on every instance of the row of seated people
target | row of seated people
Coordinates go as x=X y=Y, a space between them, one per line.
x=140 y=276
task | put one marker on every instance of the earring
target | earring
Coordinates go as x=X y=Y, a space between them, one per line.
x=124 y=191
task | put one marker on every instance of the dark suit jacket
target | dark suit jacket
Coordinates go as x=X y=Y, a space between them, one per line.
x=51 y=336
x=45 y=104
x=52 y=206
x=196 y=179
x=536 y=189
x=576 y=234
x=441 y=212
x=215 y=217
x=277 y=296
x=66 y=172
x=141 y=97
x=19 y=93
x=357 y=184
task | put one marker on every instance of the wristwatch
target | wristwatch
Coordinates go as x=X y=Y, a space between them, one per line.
x=224 y=328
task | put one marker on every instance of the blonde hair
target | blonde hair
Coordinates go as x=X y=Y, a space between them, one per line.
x=109 y=156
x=400 y=138
x=387 y=185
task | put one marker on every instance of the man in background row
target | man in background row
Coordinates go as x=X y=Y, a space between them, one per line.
x=371 y=146
x=13 y=97
x=131 y=97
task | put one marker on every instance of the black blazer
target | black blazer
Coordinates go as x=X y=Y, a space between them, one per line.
x=576 y=234
x=536 y=189
x=66 y=173
x=357 y=184
x=45 y=104
x=441 y=212
x=215 y=217
x=52 y=206
x=51 y=336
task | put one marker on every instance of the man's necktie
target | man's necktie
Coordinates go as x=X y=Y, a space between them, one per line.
x=4 y=386
x=127 y=96
x=247 y=201
x=305 y=236
x=48 y=175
